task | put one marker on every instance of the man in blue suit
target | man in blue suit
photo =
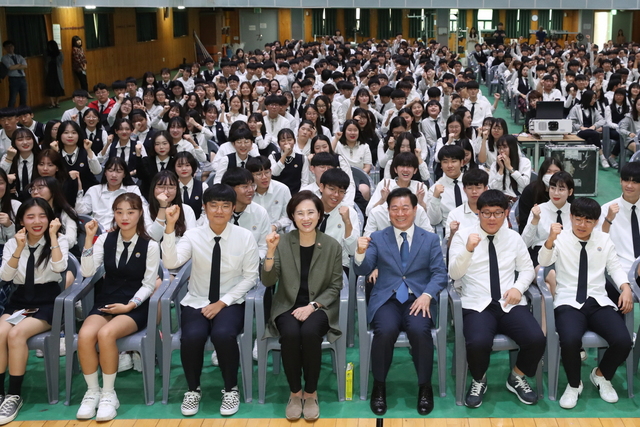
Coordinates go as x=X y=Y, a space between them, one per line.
x=411 y=272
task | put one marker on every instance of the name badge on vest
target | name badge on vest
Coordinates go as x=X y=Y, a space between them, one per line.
x=295 y=165
x=137 y=254
x=197 y=198
x=81 y=165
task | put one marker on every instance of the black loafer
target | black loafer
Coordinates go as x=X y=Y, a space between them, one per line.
x=378 y=401
x=425 y=400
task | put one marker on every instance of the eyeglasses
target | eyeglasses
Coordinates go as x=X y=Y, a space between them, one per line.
x=166 y=187
x=262 y=174
x=584 y=221
x=36 y=188
x=496 y=215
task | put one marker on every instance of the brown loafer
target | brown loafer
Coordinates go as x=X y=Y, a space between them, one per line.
x=294 y=408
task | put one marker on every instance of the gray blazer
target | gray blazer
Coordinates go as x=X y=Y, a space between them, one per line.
x=325 y=279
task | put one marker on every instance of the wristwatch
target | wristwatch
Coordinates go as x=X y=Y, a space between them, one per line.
x=315 y=305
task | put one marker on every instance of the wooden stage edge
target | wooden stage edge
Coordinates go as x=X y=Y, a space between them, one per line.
x=348 y=422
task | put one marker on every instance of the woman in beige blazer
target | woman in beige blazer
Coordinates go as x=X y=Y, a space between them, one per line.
x=307 y=265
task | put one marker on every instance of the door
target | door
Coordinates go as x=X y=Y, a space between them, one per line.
x=256 y=29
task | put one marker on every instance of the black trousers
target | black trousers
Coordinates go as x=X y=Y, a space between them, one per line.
x=572 y=323
x=223 y=331
x=17 y=86
x=518 y=324
x=392 y=318
x=591 y=136
x=301 y=347
x=614 y=137
x=82 y=78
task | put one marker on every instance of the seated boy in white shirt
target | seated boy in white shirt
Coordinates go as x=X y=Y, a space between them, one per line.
x=447 y=193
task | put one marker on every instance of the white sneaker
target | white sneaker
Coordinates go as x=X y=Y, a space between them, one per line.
x=39 y=353
x=607 y=392
x=214 y=359
x=107 y=406
x=570 y=397
x=63 y=347
x=191 y=403
x=230 y=402
x=583 y=355
x=254 y=352
x=125 y=362
x=137 y=361
x=604 y=163
x=89 y=404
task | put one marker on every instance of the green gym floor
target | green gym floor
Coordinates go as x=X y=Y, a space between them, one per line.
x=401 y=390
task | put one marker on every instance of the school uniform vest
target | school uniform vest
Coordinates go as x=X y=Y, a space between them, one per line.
x=124 y=281
x=233 y=162
x=39 y=130
x=615 y=116
x=219 y=135
x=291 y=175
x=148 y=140
x=195 y=200
x=81 y=165
x=523 y=86
x=97 y=143
x=208 y=75
x=587 y=121
x=133 y=159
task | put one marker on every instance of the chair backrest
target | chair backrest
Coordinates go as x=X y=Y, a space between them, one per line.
x=635 y=157
x=361 y=176
x=84 y=219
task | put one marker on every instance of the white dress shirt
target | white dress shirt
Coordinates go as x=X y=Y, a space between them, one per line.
x=481 y=111
x=7 y=233
x=98 y=202
x=255 y=219
x=89 y=264
x=466 y=217
x=620 y=230
x=522 y=175
x=6 y=166
x=238 y=264
x=414 y=186
x=470 y=270
x=566 y=254
x=223 y=165
x=335 y=228
x=357 y=156
x=438 y=208
x=536 y=235
x=73 y=112
x=275 y=201
x=156 y=230
x=378 y=219
x=44 y=273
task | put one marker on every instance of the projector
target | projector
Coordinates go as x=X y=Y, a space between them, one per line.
x=551 y=127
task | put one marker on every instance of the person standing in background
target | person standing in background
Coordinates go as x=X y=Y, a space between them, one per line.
x=79 y=65
x=54 y=79
x=17 y=81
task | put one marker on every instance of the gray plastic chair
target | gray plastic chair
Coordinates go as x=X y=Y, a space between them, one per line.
x=171 y=340
x=265 y=345
x=500 y=342
x=439 y=334
x=49 y=342
x=632 y=277
x=146 y=341
x=589 y=340
x=361 y=176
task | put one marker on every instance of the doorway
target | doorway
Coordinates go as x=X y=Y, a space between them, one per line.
x=257 y=27
x=601 y=28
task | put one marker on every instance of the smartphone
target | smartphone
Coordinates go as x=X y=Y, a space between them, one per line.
x=29 y=311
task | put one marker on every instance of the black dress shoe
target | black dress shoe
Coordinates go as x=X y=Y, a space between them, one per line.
x=378 y=402
x=425 y=400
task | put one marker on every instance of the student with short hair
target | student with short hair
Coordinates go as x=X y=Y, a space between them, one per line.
x=242 y=140
x=191 y=189
x=225 y=262
x=483 y=261
x=270 y=194
x=288 y=166
x=475 y=182
x=447 y=193
x=582 y=254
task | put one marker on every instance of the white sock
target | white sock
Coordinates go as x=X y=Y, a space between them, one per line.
x=108 y=381
x=515 y=374
x=92 y=381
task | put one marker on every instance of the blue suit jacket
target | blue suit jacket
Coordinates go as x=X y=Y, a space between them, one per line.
x=425 y=272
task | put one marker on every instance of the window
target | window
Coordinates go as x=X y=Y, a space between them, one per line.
x=421 y=24
x=180 y=23
x=146 y=24
x=324 y=22
x=485 y=19
x=98 y=29
x=453 y=21
x=28 y=33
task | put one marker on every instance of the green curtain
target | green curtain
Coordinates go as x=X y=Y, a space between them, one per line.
x=525 y=23
x=349 y=22
x=543 y=19
x=330 y=17
x=180 y=23
x=462 y=19
x=365 y=22
x=556 y=20
x=431 y=17
x=415 y=24
x=384 y=16
x=396 y=22
x=474 y=12
x=28 y=33
x=146 y=26
x=495 y=18
x=511 y=27
x=98 y=30
x=316 y=22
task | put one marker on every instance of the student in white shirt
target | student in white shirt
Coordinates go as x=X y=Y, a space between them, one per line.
x=510 y=173
x=397 y=126
x=94 y=130
x=183 y=140
x=98 y=200
x=121 y=307
x=214 y=304
x=242 y=141
x=164 y=193
x=79 y=98
x=270 y=194
x=19 y=160
x=356 y=153
x=191 y=189
x=76 y=151
x=33 y=260
x=483 y=261
x=447 y=192
x=581 y=300
x=475 y=182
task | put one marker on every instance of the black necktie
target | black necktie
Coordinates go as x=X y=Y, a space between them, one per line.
x=236 y=217
x=161 y=166
x=29 y=277
x=559 y=218
x=457 y=193
x=494 y=271
x=122 y=153
x=242 y=164
x=438 y=133
x=635 y=232
x=123 y=257
x=102 y=109
x=382 y=109
x=185 y=194
x=91 y=136
x=214 y=280
x=583 y=275
x=473 y=109
x=323 y=224
x=25 y=175
x=70 y=159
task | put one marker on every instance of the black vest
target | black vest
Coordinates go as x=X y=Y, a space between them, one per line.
x=615 y=116
x=81 y=165
x=523 y=86
x=587 y=121
x=219 y=136
x=148 y=140
x=291 y=175
x=208 y=75
x=98 y=143
x=195 y=201
x=233 y=162
x=132 y=164
x=124 y=282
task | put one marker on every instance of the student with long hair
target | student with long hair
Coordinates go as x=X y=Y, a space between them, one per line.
x=588 y=122
x=397 y=126
x=77 y=153
x=357 y=153
x=488 y=151
x=33 y=260
x=20 y=160
x=93 y=129
x=50 y=133
x=165 y=192
x=287 y=166
x=367 y=125
x=191 y=189
x=49 y=189
x=121 y=306
x=510 y=173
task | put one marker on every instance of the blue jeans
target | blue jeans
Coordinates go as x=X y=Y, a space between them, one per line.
x=17 y=85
